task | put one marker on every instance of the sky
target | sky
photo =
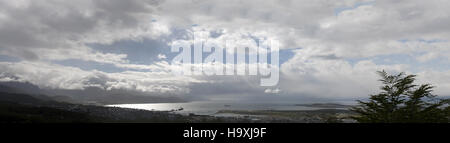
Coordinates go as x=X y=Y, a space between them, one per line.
x=328 y=48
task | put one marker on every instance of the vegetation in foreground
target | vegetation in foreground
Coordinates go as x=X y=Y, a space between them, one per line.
x=401 y=101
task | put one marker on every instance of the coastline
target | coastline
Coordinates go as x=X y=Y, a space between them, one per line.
x=332 y=114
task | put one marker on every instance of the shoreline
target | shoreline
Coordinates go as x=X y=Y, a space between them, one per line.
x=324 y=115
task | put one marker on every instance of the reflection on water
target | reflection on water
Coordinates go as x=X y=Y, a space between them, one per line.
x=210 y=108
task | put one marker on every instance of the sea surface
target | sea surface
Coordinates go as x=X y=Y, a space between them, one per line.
x=212 y=107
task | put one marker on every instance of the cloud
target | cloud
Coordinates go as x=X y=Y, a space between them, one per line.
x=272 y=91
x=162 y=56
x=62 y=77
x=336 y=45
x=54 y=29
x=332 y=78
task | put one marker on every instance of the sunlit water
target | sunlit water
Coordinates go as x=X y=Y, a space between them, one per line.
x=211 y=108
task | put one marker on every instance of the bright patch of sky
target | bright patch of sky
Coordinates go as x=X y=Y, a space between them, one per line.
x=338 y=10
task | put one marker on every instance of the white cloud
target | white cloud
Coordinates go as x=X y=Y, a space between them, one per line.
x=162 y=56
x=39 y=32
x=272 y=91
x=54 y=29
x=333 y=78
x=61 y=77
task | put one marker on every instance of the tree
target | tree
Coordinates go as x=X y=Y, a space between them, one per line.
x=401 y=101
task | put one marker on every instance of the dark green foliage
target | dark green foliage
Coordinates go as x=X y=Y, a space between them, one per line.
x=401 y=101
